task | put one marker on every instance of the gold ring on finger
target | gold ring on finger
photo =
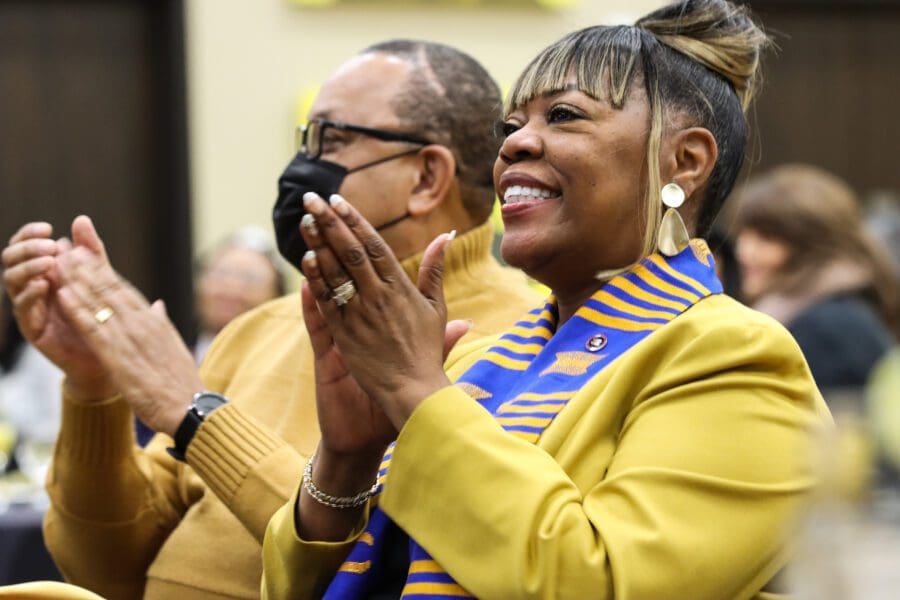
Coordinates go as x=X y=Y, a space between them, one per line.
x=104 y=314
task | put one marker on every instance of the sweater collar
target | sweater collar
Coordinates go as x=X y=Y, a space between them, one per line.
x=466 y=252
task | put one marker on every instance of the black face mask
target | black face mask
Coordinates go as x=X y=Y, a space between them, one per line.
x=304 y=175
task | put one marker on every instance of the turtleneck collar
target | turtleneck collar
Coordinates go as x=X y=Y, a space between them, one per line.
x=468 y=254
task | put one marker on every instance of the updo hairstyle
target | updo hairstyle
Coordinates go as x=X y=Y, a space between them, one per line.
x=697 y=59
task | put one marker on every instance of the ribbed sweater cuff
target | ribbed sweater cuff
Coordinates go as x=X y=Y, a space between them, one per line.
x=227 y=447
x=97 y=433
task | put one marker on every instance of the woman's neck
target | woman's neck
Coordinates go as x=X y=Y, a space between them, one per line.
x=570 y=300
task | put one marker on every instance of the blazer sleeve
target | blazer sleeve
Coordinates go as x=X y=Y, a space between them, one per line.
x=711 y=465
x=297 y=569
x=294 y=568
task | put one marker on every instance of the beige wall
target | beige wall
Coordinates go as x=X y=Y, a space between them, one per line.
x=248 y=61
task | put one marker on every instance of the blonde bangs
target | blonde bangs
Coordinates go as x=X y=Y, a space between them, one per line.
x=602 y=60
x=605 y=62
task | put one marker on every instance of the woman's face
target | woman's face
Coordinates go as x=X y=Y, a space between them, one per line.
x=570 y=176
x=761 y=259
x=235 y=281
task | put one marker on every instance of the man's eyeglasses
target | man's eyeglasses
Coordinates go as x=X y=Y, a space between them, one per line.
x=309 y=139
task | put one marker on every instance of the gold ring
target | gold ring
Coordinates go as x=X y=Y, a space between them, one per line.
x=343 y=293
x=104 y=314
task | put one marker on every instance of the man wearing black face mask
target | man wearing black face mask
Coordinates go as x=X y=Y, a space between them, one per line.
x=309 y=171
x=404 y=132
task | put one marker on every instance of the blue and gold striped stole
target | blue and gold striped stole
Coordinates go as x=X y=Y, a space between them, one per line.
x=528 y=376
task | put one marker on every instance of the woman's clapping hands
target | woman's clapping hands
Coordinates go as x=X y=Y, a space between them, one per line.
x=390 y=334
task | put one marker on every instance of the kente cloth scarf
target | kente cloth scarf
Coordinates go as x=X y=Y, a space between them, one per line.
x=526 y=378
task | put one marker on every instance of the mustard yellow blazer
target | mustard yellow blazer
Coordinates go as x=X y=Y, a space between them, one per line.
x=677 y=472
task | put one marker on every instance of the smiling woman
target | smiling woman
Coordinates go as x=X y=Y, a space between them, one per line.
x=640 y=435
x=587 y=156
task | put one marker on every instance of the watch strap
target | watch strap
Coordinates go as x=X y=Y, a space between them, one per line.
x=191 y=423
x=184 y=434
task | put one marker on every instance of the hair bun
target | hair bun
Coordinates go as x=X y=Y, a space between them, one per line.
x=716 y=33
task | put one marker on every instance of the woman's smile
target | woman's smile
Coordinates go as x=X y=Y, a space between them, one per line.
x=523 y=193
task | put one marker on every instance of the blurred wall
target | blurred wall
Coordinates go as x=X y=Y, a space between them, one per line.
x=248 y=62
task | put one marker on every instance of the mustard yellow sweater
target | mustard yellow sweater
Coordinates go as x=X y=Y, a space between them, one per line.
x=127 y=523
x=675 y=473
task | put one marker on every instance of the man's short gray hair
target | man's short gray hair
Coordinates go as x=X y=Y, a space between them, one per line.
x=451 y=100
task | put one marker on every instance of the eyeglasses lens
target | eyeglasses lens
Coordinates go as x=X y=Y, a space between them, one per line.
x=313 y=139
x=307 y=139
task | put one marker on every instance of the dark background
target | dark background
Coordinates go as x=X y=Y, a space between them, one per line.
x=92 y=120
x=832 y=89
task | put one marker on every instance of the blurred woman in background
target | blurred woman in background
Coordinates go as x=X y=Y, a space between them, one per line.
x=241 y=273
x=807 y=260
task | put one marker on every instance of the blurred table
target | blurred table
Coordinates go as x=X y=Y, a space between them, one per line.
x=23 y=555
x=851 y=552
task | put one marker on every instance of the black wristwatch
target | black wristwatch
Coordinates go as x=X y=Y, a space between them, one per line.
x=201 y=406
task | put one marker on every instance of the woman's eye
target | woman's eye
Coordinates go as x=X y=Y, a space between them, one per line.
x=505 y=129
x=561 y=114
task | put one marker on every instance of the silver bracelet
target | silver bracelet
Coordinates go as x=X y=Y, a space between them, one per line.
x=329 y=500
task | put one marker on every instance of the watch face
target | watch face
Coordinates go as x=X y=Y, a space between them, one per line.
x=208 y=402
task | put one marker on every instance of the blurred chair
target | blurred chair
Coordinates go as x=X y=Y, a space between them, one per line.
x=46 y=590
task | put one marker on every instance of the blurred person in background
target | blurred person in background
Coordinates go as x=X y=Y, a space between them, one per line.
x=882 y=218
x=241 y=273
x=29 y=398
x=405 y=130
x=807 y=260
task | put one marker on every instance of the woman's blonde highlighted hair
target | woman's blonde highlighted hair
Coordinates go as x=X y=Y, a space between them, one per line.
x=695 y=58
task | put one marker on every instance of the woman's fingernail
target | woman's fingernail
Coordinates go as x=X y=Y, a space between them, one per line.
x=450 y=237
x=309 y=197
x=339 y=205
x=308 y=222
x=310 y=259
x=471 y=324
x=159 y=307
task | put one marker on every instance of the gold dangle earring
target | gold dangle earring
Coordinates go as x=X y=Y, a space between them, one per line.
x=673 y=235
